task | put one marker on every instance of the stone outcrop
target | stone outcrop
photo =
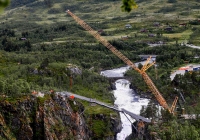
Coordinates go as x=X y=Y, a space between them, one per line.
x=52 y=117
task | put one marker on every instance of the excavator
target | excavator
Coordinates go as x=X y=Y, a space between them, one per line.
x=141 y=71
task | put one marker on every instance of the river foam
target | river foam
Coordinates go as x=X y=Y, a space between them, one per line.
x=125 y=98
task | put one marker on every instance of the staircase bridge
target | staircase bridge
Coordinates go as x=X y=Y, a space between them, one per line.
x=91 y=100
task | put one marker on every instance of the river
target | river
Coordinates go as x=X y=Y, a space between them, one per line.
x=125 y=98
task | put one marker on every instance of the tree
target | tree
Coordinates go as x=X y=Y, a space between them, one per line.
x=140 y=66
x=48 y=3
x=28 y=45
x=128 y=5
x=171 y=1
x=179 y=131
x=151 y=111
x=44 y=63
x=3 y=4
x=2 y=86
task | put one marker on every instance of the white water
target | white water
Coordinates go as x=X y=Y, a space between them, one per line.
x=125 y=98
x=119 y=72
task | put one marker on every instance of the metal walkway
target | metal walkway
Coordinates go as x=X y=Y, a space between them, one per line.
x=133 y=115
x=136 y=117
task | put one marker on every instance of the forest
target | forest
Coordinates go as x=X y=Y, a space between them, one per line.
x=36 y=51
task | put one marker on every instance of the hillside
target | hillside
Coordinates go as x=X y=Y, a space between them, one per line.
x=34 y=15
x=40 y=45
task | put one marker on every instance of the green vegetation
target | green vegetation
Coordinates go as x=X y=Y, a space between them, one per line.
x=39 y=40
x=97 y=127
x=101 y=126
x=169 y=58
x=3 y=4
x=170 y=127
x=128 y=5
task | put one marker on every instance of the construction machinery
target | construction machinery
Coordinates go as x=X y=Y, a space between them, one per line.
x=146 y=78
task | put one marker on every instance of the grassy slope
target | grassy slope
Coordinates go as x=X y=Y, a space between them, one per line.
x=37 y=14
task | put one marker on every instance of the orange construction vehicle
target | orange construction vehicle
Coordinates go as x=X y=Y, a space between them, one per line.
x=146 y=78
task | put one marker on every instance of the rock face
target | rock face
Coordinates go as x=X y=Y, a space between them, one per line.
x=113 y=86
x=49 y=118
x=53 y=118
x=97 y=123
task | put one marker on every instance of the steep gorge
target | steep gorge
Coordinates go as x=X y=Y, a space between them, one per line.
x=52 y=117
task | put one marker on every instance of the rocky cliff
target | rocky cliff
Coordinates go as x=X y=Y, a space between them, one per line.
x=52 y=118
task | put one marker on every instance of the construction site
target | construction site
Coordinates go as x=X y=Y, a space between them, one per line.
x=138 y=126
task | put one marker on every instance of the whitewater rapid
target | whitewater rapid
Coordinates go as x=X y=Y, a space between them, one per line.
x=125 y=98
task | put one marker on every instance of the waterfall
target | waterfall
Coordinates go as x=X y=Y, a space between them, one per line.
x=125 y=98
